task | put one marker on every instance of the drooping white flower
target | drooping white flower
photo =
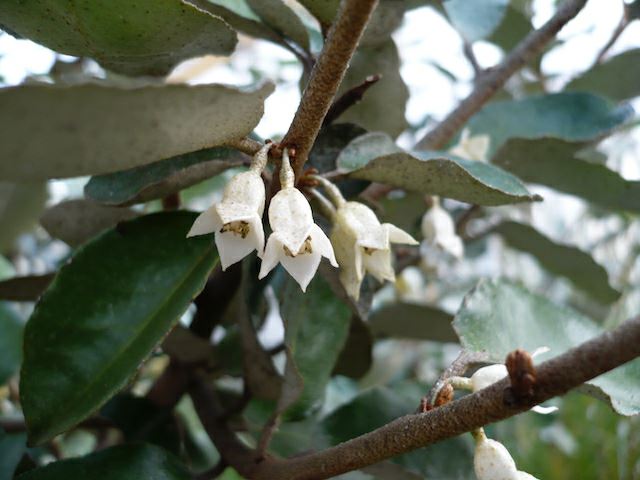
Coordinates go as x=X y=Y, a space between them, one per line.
x=296 y=242
x=237 y=219
x=438 y=229
x=492 y=461
x=362 y=244
x=472 y=147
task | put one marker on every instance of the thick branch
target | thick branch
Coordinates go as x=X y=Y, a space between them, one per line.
x=554 y=377
x=326 y=77
x=492 y=81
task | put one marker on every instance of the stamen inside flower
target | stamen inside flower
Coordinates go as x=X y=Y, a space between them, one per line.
x=239 y=227
x=368 y=250
x=305 y=248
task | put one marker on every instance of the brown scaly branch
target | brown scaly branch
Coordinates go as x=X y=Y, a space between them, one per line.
x=493 y=80
x=326 y=77
x=497 y=402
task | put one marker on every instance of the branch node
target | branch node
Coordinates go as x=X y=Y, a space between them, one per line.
x=522 y=375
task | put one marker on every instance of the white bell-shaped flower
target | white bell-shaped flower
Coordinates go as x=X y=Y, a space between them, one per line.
x=492 y=461
x=363 y=245
x=237 y=219
x=296 y=242
x=438 y=229
x=486 y=376
x=472 y=147
x=524 y=476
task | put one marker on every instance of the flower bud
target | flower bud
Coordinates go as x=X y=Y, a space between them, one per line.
x=492 y=461
x=438 y=229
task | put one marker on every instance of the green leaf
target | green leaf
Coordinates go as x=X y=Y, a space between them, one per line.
x=159 y=179
x=632 y=10
x=277 y=15
x=376 y=407
x=124 y=462
x=76 y=221
x=617 y=78
x=91 y=129
x=356 y=356
x=434 y=173
x=478 y=19
x=514 y=27
x=409 y=320
x=10 y=342
x=104 y=313
x=553 y=163
x=565 y=260
x=147 y=37
x=323 y=10
x=12 y=447
x=499 y=316
x=239 y=15
x=575 y=116
x=382 y=107
x=316 y=329
x=386 y=18
x=20 y=206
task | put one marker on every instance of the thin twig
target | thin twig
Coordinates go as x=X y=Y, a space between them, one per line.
x=326 y=76
x=467 y=49
x=621 y=27
x=554 y=377
x=459 y=366
x=491 y=82
x=349 y=98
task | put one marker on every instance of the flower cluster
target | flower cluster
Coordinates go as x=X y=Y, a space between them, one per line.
x=362 y=244
x=296 y=241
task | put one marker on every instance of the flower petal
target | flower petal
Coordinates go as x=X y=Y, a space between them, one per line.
x=207 y=222
x=272 y=255
x=320 y=243
x=302 y=267
x=290 y=217
x=232 y=247
x=397 y=235
x=378 y=264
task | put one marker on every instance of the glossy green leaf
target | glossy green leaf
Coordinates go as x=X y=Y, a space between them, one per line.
x=575 y=116
x=316 y=329
x=162 y=178
x=76 y=221
x=104 y=313
x=553 y=162
x=20 y=206
x=616 y=78
x=434 y=173
x=124 y=462
x=277 y=15
x=10 y=342
x=147 y=37
x=499 y=316
x=12 y=448
x=478 y=19
x=91 y=129
x=410 y=320
x=565 y=260
x=383 y=105
x=376 y=407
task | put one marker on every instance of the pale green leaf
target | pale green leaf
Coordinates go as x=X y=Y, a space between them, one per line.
x=146 y=37
x=91 y=129
x=499 y=316
x=477 y=19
